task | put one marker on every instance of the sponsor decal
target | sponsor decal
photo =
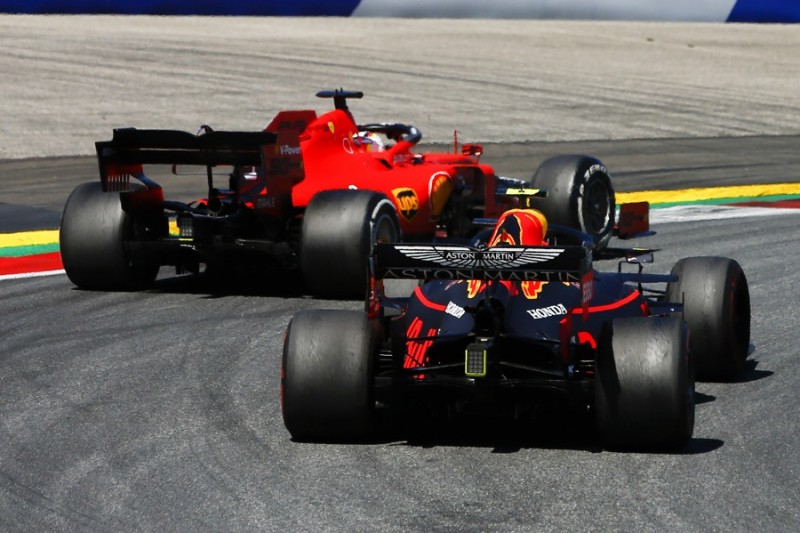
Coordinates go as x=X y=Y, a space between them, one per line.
x=407 y=202
x=454 y=310
x=547 y=312
x=440 y=189
x=488 y=255
x=445 y=274
x=331 y=127
x=587 y=288
x=347 y=145
x=462 y=257
x=592 y=170
x=285 y=149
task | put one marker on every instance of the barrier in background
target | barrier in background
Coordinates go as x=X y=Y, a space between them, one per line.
x=677 y=10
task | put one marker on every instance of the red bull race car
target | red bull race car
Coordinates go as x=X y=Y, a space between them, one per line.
x=522 y=322
x=310 y=194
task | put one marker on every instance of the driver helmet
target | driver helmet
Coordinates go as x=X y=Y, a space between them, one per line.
x=520 y=227
x=369 y=141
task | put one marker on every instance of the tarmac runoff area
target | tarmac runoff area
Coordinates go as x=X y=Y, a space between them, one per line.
x=69 y=80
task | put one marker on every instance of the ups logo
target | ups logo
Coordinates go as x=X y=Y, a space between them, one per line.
x=407 y=202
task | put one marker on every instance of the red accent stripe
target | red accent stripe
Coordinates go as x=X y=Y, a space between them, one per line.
x=585 y=337
x=31 y=263
x=609 y=307
x=427 y=303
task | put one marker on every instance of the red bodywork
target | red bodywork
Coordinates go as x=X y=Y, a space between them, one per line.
x=314 y=154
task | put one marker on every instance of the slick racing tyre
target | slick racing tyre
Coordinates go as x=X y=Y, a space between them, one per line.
x=579 y=195
x=644 y=387
x=92 y=238
x=716 y=307
x=327 y=376
x=339 y=228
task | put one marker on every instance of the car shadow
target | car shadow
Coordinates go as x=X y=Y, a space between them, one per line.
x=506 y=437
x=208 y=286
x=752 y=373
x=701 y=398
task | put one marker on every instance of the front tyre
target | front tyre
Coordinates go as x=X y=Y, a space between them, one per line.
x=92 y=238
x=579 y=195
x=339 y=229
x=716 y=307
x=644 y=386
x=327 y=376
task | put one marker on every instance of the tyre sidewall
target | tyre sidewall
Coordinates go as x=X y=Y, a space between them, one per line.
x=326 y=375
x=337 y=235
x=92 y=238
x=644 y=384
x=716 y=308
x=568 y=180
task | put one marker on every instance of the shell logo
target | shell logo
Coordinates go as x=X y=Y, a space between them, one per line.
x=407 y=202
x=441 y=187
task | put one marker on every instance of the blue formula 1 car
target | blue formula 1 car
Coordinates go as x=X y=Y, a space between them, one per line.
x=519 y=322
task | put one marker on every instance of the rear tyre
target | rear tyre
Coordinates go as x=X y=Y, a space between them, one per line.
x=327 y=376
x=92 y=238
x=339 y=228
x=579 y=195
x=644 y=390
x=716 y=307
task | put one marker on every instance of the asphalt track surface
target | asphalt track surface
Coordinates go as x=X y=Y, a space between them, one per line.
x=159 y=410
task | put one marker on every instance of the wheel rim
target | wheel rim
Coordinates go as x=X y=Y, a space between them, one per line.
x=384 y=229
x=595 y=209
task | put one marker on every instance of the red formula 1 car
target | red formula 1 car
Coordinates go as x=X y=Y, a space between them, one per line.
x=524 y=324
x=309 y=193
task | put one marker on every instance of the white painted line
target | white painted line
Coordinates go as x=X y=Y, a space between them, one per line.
x=33 y=274
x=694 y=213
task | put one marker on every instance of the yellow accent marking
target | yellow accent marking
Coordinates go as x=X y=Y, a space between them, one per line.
x=29 y=238
x=521 y=191
x=173 y=227
x=708 y=193
x=466 y=366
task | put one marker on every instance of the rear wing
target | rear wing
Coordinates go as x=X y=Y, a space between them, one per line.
x=512 y=263
x=173 y=147
x=130 y=148
x=430 y=262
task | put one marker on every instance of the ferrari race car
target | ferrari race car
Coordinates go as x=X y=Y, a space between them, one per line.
x=519 y=325
x=309 y=194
